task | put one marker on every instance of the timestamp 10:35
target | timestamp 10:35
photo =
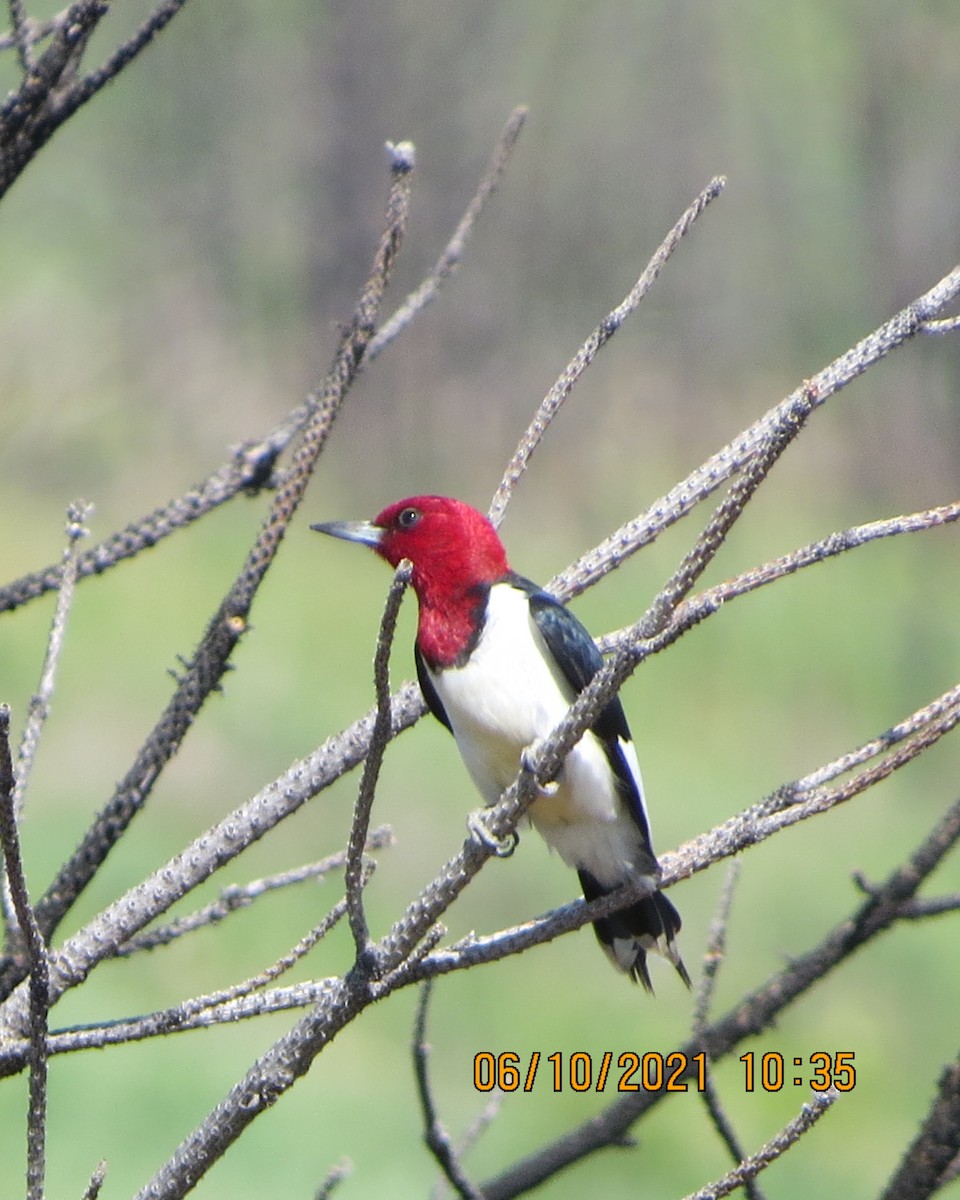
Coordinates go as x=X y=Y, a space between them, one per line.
x=630 y=1071
x=826 y=1071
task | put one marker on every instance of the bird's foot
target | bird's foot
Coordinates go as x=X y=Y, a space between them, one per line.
x=528 y=764
x=501 y=847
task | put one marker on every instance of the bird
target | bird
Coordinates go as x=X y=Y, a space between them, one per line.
x=500 y=661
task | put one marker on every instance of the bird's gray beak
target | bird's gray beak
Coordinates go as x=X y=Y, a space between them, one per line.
x=364 y=532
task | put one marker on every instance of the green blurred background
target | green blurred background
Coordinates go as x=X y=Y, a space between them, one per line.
x=174 y=268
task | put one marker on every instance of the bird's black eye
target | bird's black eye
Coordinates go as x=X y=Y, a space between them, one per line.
x=408 y=517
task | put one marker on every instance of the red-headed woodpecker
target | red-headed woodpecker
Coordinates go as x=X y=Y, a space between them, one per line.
x=500 y=662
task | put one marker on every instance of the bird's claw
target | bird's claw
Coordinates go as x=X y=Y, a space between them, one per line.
x=526 y=761
x=501 y=847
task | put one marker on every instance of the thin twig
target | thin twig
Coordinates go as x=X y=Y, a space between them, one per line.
x=712 y=959
x=371 y=768
x=710 y=1096
x=452 y=255
x=936 y=1147
x=336 y=1175
x=226 y=1006
x=35 y=31
x=255 y=983
x=483 y=1120
x=434 y=1134
x=21 y=34
x=552 y=402
x=934 y=906
x=157 y=21
x=715 y=950
x=788 y=564
x=239 y=896
x=39 y=708
x=38 y=965
x=943 y=325
x=808 y=1116
x=48 y=93
x=96 y=1182
x=208 y=1011
x=699 y=557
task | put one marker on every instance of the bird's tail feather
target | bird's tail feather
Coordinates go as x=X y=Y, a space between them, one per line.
x=651 y=924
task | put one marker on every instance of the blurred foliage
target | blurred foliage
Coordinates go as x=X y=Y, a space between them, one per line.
x=174 y=266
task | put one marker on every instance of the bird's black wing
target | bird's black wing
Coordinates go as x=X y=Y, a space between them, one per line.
x=574 y=651
x=578 y=658
x=429 y=691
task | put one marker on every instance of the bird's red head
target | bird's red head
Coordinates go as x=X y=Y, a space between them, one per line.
x=456 y=555
x=453 y=548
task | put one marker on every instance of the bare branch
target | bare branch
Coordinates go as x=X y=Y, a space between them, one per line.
x=379 y=740
x=205 y=1012
x=157 y=21
x=436 y=1137
x=239 y=1003
x=334 y=1176
x=248 y=469
x=943 y=325
x=936 y=1147
x=709 y=601
x=39 y=710
x=40 y=703
x=227 y=1006
x=181 y=1014
x=713 y=957
x=452 y=255
x=262 y=1085
x=96 y=1182
x=786 y=806
x=21 y=34
x=52 y=89
x=229 y=623
x=37 y=965
x=727 y=1134
x=251 y=466
x=477 y=1127
x=238 y=896
x=751 y=1016
x=936 y=906
x=32 y=32
x=552 y=402
x=664 y=512
x=716 y=947
x=808 y=1116
x=803 y=799
x=798 y=801
x=123 y=919
x=30 y=115
x=696 y=561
